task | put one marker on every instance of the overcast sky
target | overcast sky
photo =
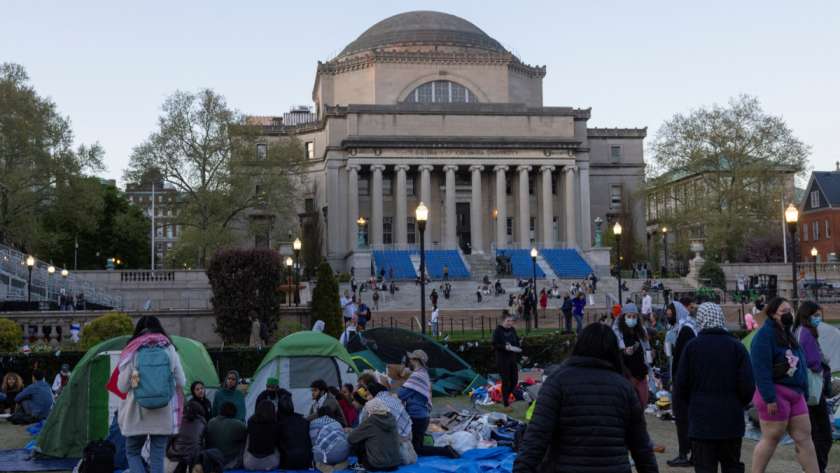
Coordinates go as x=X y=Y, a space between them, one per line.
x=109 y=64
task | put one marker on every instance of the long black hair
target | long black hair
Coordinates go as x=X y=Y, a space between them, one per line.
x=638 y=331
x=148 y=324
x=807 y=309
x=264 y=412
x=599 y=341
x=784 y=335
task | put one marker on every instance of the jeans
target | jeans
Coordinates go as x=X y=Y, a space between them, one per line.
x=706 y=454
x=134 y=447
x=578 y=322
x=435 y=332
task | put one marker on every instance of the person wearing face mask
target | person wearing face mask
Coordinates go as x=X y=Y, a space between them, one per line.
x=780 y=372
x=634 y=345
x=808 y=319
x=684 y=330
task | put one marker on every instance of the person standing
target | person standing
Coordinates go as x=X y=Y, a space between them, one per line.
x=578 y=304
x=255 y=340
x=647 y=308
x=686 y=330
x=506 y=344
x=543 y=301
x=587 y=416
x=433 y=297
x=435 y=321
x=633 y=342
x=150 y=381
x=808 y=320
x=781 y=380
x=716 y=384
x=566 y=308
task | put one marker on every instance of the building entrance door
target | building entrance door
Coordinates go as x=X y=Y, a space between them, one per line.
x=462 y=225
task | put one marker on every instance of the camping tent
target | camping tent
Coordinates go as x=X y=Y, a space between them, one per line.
x=296 y=361
x=84 y=410
x=449 y=373
x=829 y=338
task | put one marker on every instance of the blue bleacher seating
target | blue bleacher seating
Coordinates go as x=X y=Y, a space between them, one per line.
x=520 y=259
x=398 y=260
x=437 y=259
x=566 y=263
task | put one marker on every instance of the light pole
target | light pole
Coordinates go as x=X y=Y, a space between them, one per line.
x=421 y=215
x=816 y=253
x=64 y=274
x=50 y=272
x=495 y=216
x=534 y=255
x=30 y=262
x=792 y=219
x=617 y=234
x=297 y=246
x=289 y=264
x=665 y=248
x=360 y=241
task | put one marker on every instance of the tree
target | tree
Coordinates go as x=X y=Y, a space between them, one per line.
x=244 y=282
x=325 y=305
x=106 y=327
x=207 y=151
x=312 y=251
x=713 y=272
x=37 y=158
x=744 y=158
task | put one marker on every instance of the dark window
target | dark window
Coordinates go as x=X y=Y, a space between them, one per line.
x=411 y=231
x=615 y=153
x=364 y=186
x=387 y=186
x=309 y=205
x=510 y=226
x=409 y=185
x=262 y=151
x=615 y=197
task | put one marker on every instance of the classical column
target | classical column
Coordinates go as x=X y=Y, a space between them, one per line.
x=376 y=204
x=585 y=215
x=501 y=206
x=400 y=221
x=333 y=214
x=426 y=195
x=524 y=208
x=449 y=210
x=547 y=208
x=476 y=235
x=570 y=204
x=353 y=204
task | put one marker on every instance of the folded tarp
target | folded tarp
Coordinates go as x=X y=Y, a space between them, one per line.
x=19 y=460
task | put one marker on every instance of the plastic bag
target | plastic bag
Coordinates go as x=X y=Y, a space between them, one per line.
x=459 y=441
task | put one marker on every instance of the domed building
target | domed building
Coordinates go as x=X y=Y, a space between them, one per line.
x=425 y=106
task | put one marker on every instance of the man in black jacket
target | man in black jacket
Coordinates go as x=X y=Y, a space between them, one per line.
x=716 y=384
x=506 y=345
x=588 y=415
x=687 y=330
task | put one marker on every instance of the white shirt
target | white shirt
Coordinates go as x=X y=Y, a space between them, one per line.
x=435 y=314
x=647 y=304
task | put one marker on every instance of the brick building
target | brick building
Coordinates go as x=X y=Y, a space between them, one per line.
x=819 y=217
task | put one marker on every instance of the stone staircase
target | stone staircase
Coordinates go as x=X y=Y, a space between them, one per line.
x=481 y=265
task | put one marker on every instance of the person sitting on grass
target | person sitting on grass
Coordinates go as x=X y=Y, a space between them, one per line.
x=329 y=442
x=260 y=448
x=293 y=434
x=376 y=442
x=189 y=440
x=12 y=385
x=230 y=393
x=35 y=401
x=227 y=434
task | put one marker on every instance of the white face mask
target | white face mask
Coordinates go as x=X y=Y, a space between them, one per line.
x=631 y=322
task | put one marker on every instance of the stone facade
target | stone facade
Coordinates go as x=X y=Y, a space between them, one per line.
x=426 y=107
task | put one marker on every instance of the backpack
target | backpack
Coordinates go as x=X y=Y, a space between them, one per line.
x=156 y=385
x=98 y=457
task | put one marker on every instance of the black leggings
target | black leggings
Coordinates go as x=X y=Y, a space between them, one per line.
x=418 y=432
x=510 y=377
x=821 y=432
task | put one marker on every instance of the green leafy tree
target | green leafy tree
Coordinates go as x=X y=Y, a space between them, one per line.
x=745 y=159
x=110 y=325
x=207 y=151
x=244 y=282
x=712 y=272
x=37 y=158
x=11 y=336
x=325 y=305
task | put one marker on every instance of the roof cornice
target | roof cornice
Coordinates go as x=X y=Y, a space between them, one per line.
x=616 y=132
x=363 y=61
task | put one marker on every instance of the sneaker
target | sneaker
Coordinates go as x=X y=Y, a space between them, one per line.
x=680 y=462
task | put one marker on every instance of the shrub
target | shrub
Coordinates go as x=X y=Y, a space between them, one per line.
x=712 y=271
x=343 y=277
x=110 y=325
x=10 y=336
x=244 y=281
x=325 y=305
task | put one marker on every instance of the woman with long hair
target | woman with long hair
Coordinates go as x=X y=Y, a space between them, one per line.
x=587 y=414
x=808 y=319
x=780 y=371
x=260 y=447
x=12 y=386
x=199 y=395
x=633 y=342
x=142 y=418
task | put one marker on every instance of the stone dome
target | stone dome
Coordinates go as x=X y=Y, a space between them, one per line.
x=427 y=28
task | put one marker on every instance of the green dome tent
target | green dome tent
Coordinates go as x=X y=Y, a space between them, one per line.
x=84 y=410
x=299 y=359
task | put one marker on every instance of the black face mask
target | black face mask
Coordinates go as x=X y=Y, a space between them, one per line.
x=787 y=319
x=672 y=320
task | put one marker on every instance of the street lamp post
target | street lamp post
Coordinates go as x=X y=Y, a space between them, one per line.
x=50 y=272
x=296 y=245
x=792 y=219
x=814 y=254
x=617 y=234
x=360 y=241
x=534 y=254
x=64 y=274
x=665 y=248
x=289 y=264
x=30 y=262
x=421 y=215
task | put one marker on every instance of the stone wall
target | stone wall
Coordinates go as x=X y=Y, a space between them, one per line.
x=179 y=290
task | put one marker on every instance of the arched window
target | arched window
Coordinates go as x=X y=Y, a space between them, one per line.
x=441 y=91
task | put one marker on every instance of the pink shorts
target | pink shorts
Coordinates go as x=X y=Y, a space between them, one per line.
x=789 y=404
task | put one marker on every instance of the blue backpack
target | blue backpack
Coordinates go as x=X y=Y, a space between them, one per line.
x=157 y=385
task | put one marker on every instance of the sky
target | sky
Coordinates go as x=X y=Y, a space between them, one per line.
x=109 y=65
